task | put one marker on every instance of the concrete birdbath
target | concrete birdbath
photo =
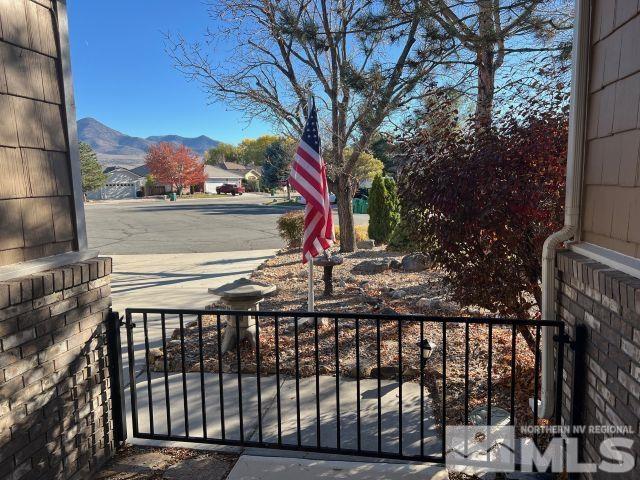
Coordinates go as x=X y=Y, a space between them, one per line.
x=245 y=295
x=328 y=262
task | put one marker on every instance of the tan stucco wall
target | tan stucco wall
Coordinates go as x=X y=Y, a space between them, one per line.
x=36 y=202
x=611 y=193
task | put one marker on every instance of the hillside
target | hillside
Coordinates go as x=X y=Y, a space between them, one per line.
x=116 y=148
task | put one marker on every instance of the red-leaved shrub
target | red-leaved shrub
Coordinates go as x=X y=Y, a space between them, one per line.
x=485 y=201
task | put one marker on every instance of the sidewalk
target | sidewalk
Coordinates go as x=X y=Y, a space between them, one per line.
x=177 y=280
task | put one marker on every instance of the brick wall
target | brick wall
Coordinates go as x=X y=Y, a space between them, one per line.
x=601 y=306
x=55 y=415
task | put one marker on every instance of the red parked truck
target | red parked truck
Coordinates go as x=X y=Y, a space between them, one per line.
x=230 y=188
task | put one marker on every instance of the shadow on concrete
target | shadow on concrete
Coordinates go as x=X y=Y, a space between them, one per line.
x=124 y=285
x=221 y=209
x=227 y=261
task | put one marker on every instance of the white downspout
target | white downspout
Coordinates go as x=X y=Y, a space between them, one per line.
x=575 y=162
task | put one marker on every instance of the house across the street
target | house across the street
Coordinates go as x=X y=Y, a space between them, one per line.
x=121 y=183
x=251 y=174
x=217 y=176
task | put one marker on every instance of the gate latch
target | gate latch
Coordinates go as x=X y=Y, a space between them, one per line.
x=565 y=339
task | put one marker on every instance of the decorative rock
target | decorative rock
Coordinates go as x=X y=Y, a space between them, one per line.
x=499 y=416
x=369 y=300
x=365 y=369
x=305 y=323
x=387 y=311
x=395 y=264
x=398 y=294
x=173 y=365
x=416 y=262
x=387 y=372
x=366 y=244
x=429 y=303
x=154 y=354
x=370 y=267
x=411 y=372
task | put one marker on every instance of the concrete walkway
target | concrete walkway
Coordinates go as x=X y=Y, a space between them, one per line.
x=268 y=429
x=179 y=280
x=251 y=467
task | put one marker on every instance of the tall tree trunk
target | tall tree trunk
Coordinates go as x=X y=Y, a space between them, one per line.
x=486 y=87
x=485 y=58
x=344 y=196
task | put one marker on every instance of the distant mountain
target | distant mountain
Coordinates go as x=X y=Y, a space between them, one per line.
x=118 y=149
x=199 y=144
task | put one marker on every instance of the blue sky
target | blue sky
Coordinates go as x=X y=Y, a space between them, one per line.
x=123 y=77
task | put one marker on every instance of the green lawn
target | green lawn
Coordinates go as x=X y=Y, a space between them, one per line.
x=206 y=195
x=281 y=202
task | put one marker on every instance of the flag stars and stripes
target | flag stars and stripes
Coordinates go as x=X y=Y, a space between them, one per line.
x=309 y=177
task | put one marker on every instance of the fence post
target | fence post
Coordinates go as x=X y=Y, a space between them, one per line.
x=114 y=350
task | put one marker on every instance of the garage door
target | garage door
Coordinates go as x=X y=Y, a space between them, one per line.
x=210 y=187
x=118 y=190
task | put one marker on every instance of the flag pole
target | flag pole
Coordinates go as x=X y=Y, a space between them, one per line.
x=311 y=298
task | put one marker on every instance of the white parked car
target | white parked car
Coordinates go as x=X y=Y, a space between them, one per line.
x=301 y=200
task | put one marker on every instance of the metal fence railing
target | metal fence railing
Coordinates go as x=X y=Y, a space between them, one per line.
x=357 y=384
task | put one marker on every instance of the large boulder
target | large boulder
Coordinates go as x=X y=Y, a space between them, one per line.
x=371 y=267
x=395 y=264
x=416 y=262
x=434 y=303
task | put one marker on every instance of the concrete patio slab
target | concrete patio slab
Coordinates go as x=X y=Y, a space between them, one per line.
x=231 y=404
x=267 y=430
x=252 y=467
x=372 y=426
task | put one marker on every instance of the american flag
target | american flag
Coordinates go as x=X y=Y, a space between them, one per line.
x=309 y=177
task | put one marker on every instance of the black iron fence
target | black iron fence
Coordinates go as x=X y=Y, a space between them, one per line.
x=356 y=384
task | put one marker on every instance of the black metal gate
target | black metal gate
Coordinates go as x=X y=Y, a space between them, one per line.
x=357 y=384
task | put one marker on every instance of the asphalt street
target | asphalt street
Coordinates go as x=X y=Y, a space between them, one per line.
x=187 y=226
